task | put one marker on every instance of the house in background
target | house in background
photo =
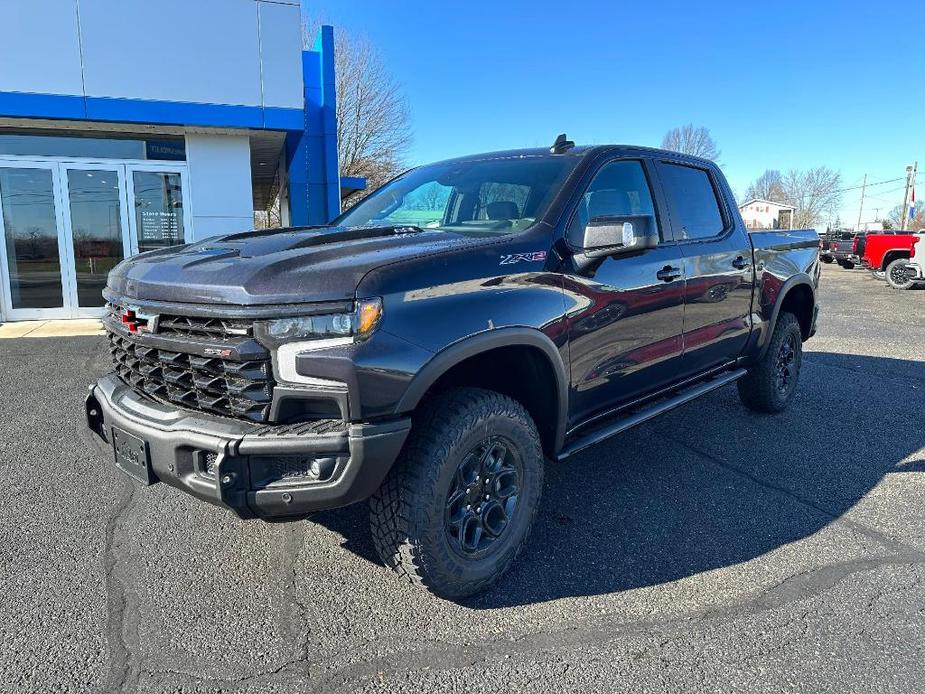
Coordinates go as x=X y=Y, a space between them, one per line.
x=130 y=125
x=766 y=214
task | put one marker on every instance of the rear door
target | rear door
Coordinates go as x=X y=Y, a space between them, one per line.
x=627 y=310
x=717 y=261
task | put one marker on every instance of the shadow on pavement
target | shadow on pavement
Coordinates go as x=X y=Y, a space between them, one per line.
x=709 y=485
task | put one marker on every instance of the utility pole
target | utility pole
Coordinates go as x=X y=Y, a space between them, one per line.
x=861 y=210
x=910 y=181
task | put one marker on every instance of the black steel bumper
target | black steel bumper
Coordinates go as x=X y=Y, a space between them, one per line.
x=254 y=470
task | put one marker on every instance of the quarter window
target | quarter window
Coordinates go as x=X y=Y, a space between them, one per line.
x=693 y=201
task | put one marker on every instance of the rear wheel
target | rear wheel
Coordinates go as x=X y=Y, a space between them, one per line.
x=896 y=274
x=847 y=264
x=770 y=384
x=454 y=512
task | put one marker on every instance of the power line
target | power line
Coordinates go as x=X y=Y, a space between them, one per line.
x=880 y=183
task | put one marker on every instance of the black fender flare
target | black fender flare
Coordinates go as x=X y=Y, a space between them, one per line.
x=461 y=350
x=795 y=281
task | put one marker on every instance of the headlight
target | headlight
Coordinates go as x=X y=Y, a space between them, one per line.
x=359 y=323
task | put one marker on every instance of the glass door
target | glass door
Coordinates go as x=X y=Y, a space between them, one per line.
x=65 y=225
x=157 y=198
x=96 y=230
x=32 y=252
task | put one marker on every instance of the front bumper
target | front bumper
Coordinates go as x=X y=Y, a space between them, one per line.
x=254 y=470
x=915 y=272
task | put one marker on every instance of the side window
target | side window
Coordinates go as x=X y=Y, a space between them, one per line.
x=619 y=189
x=693 y=201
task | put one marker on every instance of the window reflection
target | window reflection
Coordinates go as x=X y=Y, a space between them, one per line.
x=158 y=209
x=96 y=225
x=31 y=237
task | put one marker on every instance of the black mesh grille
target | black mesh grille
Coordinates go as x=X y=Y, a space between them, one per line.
x=242 y=389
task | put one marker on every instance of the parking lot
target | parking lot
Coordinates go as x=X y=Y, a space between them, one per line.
x=712 y=549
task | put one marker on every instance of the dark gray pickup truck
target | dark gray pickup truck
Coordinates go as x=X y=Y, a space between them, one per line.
x=442 y=341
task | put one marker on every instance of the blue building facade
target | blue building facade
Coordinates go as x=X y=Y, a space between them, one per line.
x=127 y=125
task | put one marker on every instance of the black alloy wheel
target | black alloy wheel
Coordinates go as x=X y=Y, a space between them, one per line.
x=483 y=497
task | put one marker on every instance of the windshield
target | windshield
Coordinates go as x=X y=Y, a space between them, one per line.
x=488 y=196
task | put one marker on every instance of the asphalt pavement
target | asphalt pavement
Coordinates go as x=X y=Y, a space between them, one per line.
x=712 y=549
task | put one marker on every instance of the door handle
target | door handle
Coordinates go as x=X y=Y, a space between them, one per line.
x=668 y=273
x=740 y=263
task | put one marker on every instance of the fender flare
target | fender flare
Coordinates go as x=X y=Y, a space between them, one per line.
x=795 y=281
x=479 y=343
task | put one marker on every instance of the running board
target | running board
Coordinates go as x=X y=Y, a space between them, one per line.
x=623 y=423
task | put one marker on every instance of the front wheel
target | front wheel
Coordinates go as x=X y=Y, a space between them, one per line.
x=770 y=384
x=454 y=512
x=896 y=274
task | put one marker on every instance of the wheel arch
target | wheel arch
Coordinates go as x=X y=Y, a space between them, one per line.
x=797 y=296
x=892 y=255
x=520 y=362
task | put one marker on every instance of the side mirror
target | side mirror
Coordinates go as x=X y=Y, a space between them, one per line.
x=618 y=234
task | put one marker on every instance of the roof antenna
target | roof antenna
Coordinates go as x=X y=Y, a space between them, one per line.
x=561 y=145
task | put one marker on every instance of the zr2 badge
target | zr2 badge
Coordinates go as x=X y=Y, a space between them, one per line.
x=534 y=257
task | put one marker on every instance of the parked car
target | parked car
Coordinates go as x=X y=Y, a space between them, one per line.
x=558 y=297
x=844 y=248
x=890 y=253
x=915 y=269
x=825 y=247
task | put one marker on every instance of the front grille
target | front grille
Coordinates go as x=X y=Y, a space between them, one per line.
x=223 y=328
x=195 y=326
x=242 y=389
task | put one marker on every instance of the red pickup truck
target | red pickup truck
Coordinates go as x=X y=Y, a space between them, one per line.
x=890 y=254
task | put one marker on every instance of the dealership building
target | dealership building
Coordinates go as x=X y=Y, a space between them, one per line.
x=128 y=125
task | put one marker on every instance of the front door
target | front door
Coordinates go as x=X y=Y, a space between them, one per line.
x=96 y=230
x=65 y=225
x=625 y=335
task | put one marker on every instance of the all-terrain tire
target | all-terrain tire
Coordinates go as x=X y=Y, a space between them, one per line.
x=766 y=388
x=411 y=514
x=896 y=274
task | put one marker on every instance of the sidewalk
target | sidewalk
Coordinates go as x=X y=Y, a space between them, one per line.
x=51 y=328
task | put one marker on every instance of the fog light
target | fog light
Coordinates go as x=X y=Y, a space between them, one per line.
x=323 y=468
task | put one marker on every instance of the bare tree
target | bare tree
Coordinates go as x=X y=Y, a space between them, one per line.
x=815 y=193
x=373 y=119
x=916 y=223
x=768 y=186
x=690 y=140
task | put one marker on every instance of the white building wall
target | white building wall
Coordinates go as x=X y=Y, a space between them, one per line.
x=220 y=194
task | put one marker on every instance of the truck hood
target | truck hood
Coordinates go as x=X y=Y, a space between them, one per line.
x=274 y=267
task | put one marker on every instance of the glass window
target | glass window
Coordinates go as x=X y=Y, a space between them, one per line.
x=619 y=189
x=31 y=232
x=91 y=146
x=158 y=209
x=693 y=201
x=483 y=197
x=96 y=225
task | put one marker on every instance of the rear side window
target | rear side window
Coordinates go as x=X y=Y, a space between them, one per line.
x=693 y=201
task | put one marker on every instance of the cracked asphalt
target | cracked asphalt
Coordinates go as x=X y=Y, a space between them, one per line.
x=712 y=549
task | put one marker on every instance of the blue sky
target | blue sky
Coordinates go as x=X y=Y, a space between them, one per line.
x=780 y=85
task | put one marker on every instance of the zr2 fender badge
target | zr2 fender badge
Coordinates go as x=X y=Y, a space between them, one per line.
x=534 y=257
